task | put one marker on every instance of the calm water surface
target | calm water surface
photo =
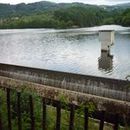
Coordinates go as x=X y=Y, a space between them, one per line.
x=72 y=50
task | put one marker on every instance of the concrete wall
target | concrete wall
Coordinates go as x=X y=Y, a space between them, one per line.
x=104 y=87
x=77 y=98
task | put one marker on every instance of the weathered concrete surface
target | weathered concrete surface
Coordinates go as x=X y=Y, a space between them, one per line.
x=107 y=39
x=104 y=87
x=110 y=105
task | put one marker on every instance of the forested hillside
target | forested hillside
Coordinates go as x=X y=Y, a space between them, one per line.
x=52 y=15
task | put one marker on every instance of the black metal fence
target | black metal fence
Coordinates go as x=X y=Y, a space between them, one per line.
x=102 y=116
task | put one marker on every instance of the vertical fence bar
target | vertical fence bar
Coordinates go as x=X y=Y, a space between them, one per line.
x=0 y=115
x=71 y=124
x=58 y=116
x=116 y=124
x=85 y=118
x=101 y=126
x=32 y=113
x=19 y=111
x=0 y=122
x=44 y=114
x=9 y=110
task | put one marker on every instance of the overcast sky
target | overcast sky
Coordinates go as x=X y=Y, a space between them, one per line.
x=99 y=2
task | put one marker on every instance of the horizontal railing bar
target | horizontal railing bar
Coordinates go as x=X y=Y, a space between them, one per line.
x=110 y=117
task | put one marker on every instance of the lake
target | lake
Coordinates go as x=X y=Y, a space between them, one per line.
x=69 y=50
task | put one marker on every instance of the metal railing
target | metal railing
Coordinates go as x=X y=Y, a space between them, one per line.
x=102 y=116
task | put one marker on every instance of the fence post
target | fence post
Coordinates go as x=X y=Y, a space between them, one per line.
x=32 y=113
x=102 y=120
x=116 y=122
x=71 y=124
x=44 y=114
x=85 y=118
x=58 y=116
x=9 y=109
x=0 y=115
x=19 y=111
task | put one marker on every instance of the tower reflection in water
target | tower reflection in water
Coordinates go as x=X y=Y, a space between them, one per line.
x=105 y=61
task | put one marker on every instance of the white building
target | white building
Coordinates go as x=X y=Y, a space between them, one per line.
x=106 y=38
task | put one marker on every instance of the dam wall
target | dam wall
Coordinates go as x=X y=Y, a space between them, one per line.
x=104 y=87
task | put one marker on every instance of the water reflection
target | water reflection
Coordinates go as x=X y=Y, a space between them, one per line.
x=105 y=61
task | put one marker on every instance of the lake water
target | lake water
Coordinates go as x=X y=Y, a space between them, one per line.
x=70 y=50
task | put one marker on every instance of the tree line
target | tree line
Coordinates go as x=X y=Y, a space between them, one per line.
x=75 y=16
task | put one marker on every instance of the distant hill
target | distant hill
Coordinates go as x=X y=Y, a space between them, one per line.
x=25 y=9
x=46 y=14
x=7 y=10
x=119 y=7
x=123 y=6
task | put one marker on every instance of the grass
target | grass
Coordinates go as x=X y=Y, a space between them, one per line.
x=51 y=115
